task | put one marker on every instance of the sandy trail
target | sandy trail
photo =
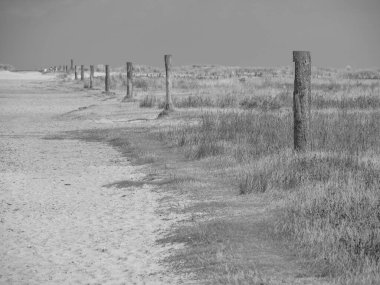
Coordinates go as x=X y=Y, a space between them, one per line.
x=58 y=223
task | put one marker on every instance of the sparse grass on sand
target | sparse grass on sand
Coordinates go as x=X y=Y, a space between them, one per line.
x=323 y=205
x=329 y=197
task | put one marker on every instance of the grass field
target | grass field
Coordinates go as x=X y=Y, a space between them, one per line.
x=234 y=126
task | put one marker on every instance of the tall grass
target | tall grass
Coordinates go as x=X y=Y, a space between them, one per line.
x=337 y=217
x=263 y=133
x=148 y=101
x=332 y=208
x=329 y=197
x=266 y=93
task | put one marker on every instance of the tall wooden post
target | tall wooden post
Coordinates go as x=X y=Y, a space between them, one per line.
x=91 y=76
x=129 y=94
x=168 y=65
x=107 y=79
x=72 y=65
x=302 y=100
x=82 y=72
x=76 y=73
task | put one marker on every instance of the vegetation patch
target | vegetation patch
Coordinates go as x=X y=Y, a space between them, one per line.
x=6 y=67
x=331 y=208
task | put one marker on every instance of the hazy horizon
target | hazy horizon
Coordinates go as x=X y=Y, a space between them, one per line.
x=40 y=33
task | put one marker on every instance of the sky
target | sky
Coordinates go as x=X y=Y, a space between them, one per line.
x=42 y=33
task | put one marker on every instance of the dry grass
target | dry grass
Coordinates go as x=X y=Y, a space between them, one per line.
x=323 y=203
x=148 y=101
x=266 y=93
x=329 y=196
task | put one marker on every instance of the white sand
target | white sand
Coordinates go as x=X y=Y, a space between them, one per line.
x=58 y=224
x=8 y=75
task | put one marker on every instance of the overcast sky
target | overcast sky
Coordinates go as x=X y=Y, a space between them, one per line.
x=36 y=33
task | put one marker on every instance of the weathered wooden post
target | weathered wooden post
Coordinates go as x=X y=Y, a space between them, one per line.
x=66 y=68
x=168 y=66
x=76 y=73
x=169 y=107
x=129 y=94
x=82 y=72
x=91 y=76
x=107 y=79
x=302 y=100
x=72 y=65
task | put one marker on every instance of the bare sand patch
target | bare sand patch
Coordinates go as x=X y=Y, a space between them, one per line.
x=59 y=224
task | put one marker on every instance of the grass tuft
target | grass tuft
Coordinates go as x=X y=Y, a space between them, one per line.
x=149 y=101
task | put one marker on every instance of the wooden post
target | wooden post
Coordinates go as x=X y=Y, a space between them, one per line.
x=76 y=73
x=66 y=68
x=91 y=76
x=302 y=100
x=107 y=79
x=129 y=94
x=82 y=72
x=72 y=65
x=168 y=65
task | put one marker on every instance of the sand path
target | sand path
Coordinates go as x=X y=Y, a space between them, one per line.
x=58 y=223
